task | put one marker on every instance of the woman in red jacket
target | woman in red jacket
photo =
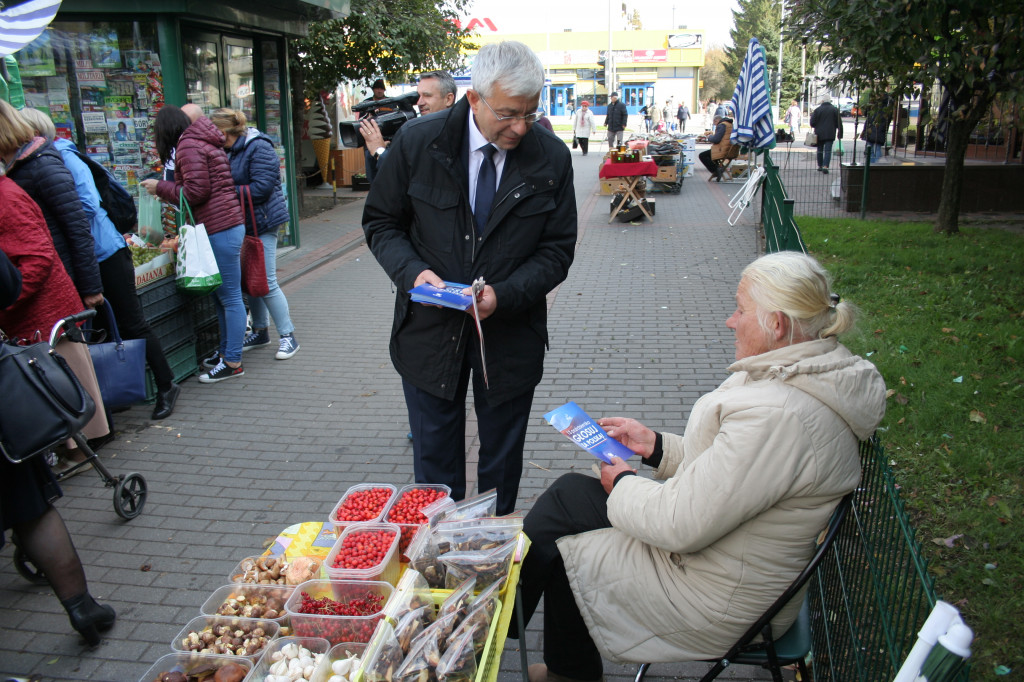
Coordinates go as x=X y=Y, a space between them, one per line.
x=28 y=489
x=202 y=171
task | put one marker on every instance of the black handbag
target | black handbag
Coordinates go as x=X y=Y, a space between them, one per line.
x=120 y=367
x=43 y=404
x=575 y=142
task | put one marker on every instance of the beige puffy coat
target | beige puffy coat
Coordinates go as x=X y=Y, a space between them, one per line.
x=692 y=561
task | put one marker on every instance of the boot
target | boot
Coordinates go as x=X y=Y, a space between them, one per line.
x=88 y=617
x=165 y=402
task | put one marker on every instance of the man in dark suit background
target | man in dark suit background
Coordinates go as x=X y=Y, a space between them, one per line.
x=474 y=191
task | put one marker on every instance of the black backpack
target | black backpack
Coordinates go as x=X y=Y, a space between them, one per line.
x=114 y=198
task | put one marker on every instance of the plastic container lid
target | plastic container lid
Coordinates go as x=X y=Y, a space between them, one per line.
x=188 y=662
x=387 y=570
x=337 y=629
x=409 y=529
x=361 y=487
x=259 y=596
x=199 y=624
x=315 y=645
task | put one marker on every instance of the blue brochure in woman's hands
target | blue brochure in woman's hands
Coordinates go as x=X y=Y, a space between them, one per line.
x=577 y=426
x=449 y=297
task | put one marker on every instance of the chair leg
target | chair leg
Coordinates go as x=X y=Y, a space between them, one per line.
x=641 y=672
x=717 y=668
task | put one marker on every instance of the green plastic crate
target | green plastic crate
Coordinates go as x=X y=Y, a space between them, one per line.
x=183 y=365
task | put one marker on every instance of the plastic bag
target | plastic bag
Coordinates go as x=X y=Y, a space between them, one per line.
x=382 y=658
x=478 y=623
x=151 y=223
x=458 y=664
x=458 y=601
x=446 y=509
x=486 y=567
x=411 y=593
x=421 y=663
x=412 y=625
x=425 y=552
x=196 y=270
x=481 y=534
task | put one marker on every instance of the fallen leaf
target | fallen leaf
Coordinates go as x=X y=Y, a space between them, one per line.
x=902 y=399
x=948 y=542
x=145 y=568
x=978 y=417
x=890 y=393
x=947 y=330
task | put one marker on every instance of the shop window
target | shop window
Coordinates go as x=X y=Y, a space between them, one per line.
x=101 y=83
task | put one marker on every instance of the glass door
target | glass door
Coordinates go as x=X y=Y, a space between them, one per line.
x=241 y=84
x=203 y=73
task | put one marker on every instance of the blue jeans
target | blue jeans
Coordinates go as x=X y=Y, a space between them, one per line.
x=274 y=303
x=227 y=250
x=824 y=153
x=875 y=151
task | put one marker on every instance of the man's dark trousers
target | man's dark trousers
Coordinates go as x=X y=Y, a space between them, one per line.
x=439 y=439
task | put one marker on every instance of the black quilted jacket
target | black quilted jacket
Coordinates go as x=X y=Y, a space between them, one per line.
x=40 y=171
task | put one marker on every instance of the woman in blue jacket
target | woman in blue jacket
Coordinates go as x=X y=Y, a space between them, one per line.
x=255 y=164
x=117 y=271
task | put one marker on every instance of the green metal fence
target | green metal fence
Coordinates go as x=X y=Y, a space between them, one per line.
x=873 y=593
x=780 y=230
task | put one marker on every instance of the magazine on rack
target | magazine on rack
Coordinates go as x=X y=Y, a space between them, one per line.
x=577 y=426
x=449 y=297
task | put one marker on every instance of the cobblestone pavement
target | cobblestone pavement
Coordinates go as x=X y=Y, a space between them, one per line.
x=637 y=329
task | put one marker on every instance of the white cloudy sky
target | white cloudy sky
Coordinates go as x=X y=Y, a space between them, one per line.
x=533 y=16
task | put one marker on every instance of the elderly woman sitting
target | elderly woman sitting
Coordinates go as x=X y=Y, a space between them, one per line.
x=637 y=570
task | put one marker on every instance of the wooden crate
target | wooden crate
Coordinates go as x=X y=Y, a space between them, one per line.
x=665 y=174
x=348 y=162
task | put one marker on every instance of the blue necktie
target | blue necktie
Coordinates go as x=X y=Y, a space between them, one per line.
x=486 y=182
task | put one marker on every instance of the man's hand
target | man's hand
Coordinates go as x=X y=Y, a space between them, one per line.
x=93 y=300
x=630 y=433
x=370 y=131
x=428 y=277
x=486 y=302
x=610 y=471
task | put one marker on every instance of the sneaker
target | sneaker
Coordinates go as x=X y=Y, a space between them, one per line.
x=221 y=372
x=257 y=338
x=289 y=347
x=212 y=361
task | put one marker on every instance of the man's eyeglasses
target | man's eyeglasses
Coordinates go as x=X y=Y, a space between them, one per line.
x=528 y=119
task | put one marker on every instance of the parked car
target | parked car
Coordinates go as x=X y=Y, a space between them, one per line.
x=850 y=109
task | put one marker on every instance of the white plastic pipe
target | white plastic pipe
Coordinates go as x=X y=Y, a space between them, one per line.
x=937 y=624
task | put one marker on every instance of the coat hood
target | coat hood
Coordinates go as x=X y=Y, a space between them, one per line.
x=829 y=372
x=31 y=149
x=203 y=129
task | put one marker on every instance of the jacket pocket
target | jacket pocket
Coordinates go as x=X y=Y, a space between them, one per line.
x=437 y=216
x=526 y=226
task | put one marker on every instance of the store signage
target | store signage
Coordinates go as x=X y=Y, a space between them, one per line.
x=94 y=78
x=679 y=41
x=650 y=55
x=475 y=24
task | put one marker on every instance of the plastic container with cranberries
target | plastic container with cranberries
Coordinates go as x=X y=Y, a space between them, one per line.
x=406 y=506
x=362 y=503
x=366 y=551
x=338 y=610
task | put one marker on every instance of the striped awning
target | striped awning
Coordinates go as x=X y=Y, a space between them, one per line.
x=21 y=24
x=753 y=125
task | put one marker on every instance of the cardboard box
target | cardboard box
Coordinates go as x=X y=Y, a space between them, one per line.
x=665 y=174
x=613 y=186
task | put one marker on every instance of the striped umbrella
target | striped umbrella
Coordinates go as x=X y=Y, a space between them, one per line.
x=753 y=126
x=21 y=24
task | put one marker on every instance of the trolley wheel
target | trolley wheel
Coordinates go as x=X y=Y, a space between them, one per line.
x=27 y=570
x=130 y=496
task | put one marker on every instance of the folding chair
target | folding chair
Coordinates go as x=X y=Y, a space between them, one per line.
x=757 y=646
x=723 y=163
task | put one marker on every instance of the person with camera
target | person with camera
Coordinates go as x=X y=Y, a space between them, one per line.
x=436 y=90
x=476 y=191
x=369 y=157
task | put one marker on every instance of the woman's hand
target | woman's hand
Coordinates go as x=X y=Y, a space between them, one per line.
x=630 y=433
x=609 y=472
x=150 y=186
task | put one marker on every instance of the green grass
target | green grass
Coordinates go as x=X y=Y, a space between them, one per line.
x=943 y=319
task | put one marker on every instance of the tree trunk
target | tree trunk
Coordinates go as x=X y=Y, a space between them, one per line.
x=952 y=179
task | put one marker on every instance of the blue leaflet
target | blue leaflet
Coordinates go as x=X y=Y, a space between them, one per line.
x=449 y=297
x=577 y=426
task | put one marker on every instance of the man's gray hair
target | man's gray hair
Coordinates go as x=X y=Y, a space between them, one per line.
x=444 y=79
x=510 y=64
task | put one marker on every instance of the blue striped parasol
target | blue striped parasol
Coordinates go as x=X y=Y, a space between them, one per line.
x=21 y=24
x=753 y=126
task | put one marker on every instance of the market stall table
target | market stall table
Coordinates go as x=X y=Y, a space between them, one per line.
x=633 y=173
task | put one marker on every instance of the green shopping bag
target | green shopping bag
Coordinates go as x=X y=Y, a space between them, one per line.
x=196 y=270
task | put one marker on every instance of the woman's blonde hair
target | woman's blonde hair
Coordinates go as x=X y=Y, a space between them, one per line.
x=229 y=121
x=797 y=286
x=15 y=131
x=40 y=122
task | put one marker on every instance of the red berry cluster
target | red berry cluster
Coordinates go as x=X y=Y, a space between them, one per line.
x=406 y=511
x=407 y=508
x=357 y=629
x=364 y=549
x=363 y=505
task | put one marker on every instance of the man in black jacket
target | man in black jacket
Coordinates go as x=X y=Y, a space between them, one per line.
x=828 y=125
x=475 y=191
x=615 y=120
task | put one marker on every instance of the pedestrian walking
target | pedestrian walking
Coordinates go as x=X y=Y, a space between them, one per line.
x=682 y=115
x=828 y=125
x=583 y=126
x=615 y=120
